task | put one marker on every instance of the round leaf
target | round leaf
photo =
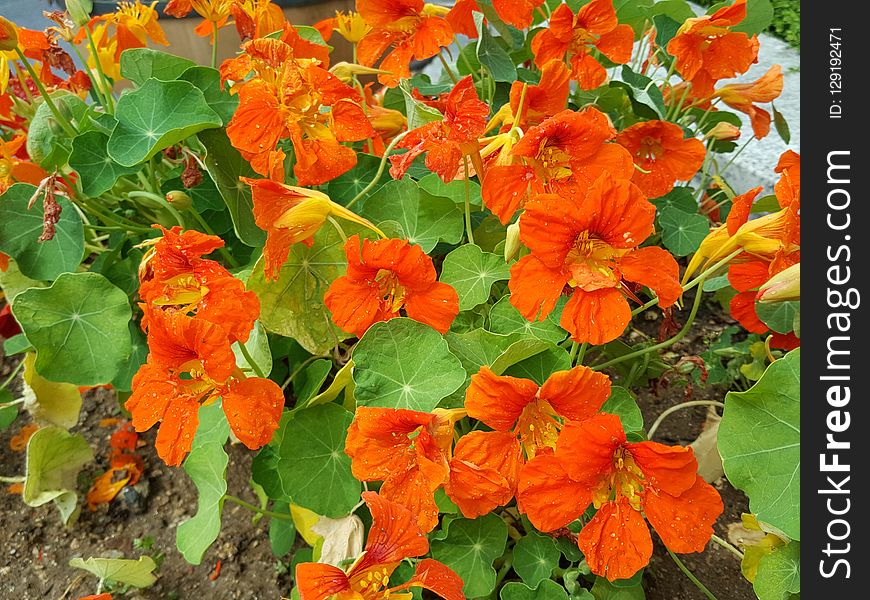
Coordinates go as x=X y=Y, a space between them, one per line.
x=779 y=573
x=470 y=548
x=54 y=459
x=759 y=440
x=535 y=557
x=97 y=171
x=401 y=363
x=682 y=232
x=546 y=590
x=471 y=272
x=623 y=404
x=138 y=573
x=305 y=462
x=78 y=327
x=21 y=227
x=140 y=64
x=49 y=401
x=505 y=319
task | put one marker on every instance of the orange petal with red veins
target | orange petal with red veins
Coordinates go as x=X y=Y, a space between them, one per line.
x=153 y=390
x=617 y=44
x=684 y=522
x=598 y=17
x=498 y=400
x=349 y=122
x=331 y=159
x=393 y=536
x=672 y=469
x=318 y=581
x=484 y=471
x=436 y=307
x=748 y=276
x=504 y=188
x=730 y=55
x=741 y=206
x=518 y=13
x=258 y=123
x=378 y=442
x=548 y=496
x=438 y=578
x=655 y=268
x=616 y=542
x=576 y=394
x=175 y=339
x=535 y=287
x=547 y=47
x=253 y=408
x=175 y=435
x=587 y=71
x=586 y=448
x=432 y=34
x=742 y=308
x=415 y=490
x=596 y=317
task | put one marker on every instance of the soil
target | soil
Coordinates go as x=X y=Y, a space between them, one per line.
x=35 y=548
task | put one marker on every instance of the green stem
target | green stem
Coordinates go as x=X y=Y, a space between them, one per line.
x=113 y=220
x=379 y=172
x=581 y=354
x=660 y=346
x=95 y=85
x=160 y=200
x=12 y=375
x=338 y=228
x=298 y=370
x=692 y=577
x=735 y=155
x=251 y=360
x=152 y=175
x=108 y=85
x=214 y=40
x=222 y=250
x=707 y=272
x=257 y=509
x=572 y=355
x=13 y=403
x=728 y=546
x=447 y=68
x=18 y=479
x=64 y=122
x=673 y=409
x=468 y=231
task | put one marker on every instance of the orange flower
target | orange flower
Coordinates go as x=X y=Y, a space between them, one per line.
x=590 y=246
x=351 y=26
x=659 y=148
x=286 y=99
x=135 y=24
x=409 y=29
x=256 y=18
x=383 y=277
x=518 y=13
x=743 y=96
x=15 y=165
x=191 y=363
x=526 y=420
x=125 y=468
x=174 y=274
x=214 y=13
x=594 y=464
x=706 y=50
x=563 y=155
x=449 y=141
x=407 y=450
x=290 y=215
x=594 y=27
x=543 y=100
x=392 y=538
x=461 y=18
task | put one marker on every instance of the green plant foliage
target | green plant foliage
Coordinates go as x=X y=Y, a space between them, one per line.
x=54 y=459
x=471 y=272
x=470 y=548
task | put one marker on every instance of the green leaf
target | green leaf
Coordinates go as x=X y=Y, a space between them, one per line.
x=781 y=125
x=768 y=203
x=491 y=54
x=208 y=81
x=292 y=305
x=78 y=327
x=225 y=166
x=666 y=29
x=633 y=12
x=779 y=316
x=418 y=114
x=759 y=16
x=678 y=10
x=123 y=381
x=759 y=440
x=347 y=186
x=682 y=232
x=13 y=282
x=149 y=119
x=306 y=458
x=206 y=465
x=646 y=97
x=539 y=367
x=17 y=344
x=715 y=284
x=679 y=197
x=470 y=548
x=309 y=381
x=546 y=590
x=140 y=64
x=97 y=171
x=621 y=589
x=54 y=459
x=425 y=219
x=48 y=144
x=455 y=190
x=48 y=401
x=471 y=272
x=623 y=404
x=282 y=532
x=258 y=347
x=21 y=227
x=138 y=573
x=535 y=557
x=8 y=414
x=402 y=363
x=505 y=319
x=779 y=573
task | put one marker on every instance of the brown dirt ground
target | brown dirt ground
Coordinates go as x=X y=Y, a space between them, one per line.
x=35 y=548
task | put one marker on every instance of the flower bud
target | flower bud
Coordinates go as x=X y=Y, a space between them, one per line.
x=79 y=11
x=723 y=132
x=8 y=35
x=179 y=200
x=386 y=121
x=345 y=71
x=782 y=287
x=512 y=241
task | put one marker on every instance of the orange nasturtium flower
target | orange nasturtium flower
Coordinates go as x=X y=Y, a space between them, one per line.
x=409 y=29
x=17 y=168
x=392 y=538
x=518 y=13
x=351 y=26
x=706 y=50
x=594 y=464
x=256 y=18
x=135 y=24
x=286 y=99
x=215 y=13
x=191 y=363
x=563 y=155
x=743 y=96
x=590 y=248
x=532 y=104
x=448 y=142
x=526 y=420
x=594 y=27
x=408 y=450
x=383 y=278
x=289 y=215
x=659 y=149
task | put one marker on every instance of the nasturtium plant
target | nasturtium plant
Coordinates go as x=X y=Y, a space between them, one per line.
x=429 y=292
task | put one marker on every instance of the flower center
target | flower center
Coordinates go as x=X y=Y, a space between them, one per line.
x=554 y=161
x=581 y=39
x=650 y=149
x=373 y=584
x=591 y=262
x=626 y=481
x=537 y=427
x=391 y=291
